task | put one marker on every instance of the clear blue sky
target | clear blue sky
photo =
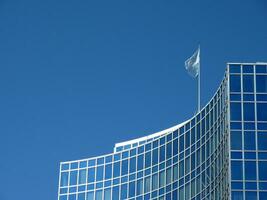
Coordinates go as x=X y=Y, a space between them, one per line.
x=78 y=76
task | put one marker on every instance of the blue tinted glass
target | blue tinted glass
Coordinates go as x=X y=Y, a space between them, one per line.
x=251 y=196
x=249 y=113
x=235 y=83
x=236 y=140
x=91 y=174
x=132 y=164
x=74 y=165
x=73 y=177
x=236 y=111
x=237 y=185
x=262 y=140
x=263 y=196
x=262 y=170
x=175 y=147
x=124 y=168
x=249 y=140
x=100 y=161
x=248 y=83
x=262 y=111
x=261 y=69
x=140 y=162
x=99 y=173
x=116 y=169
x=64 y=179
x=261 y=97
x=90 y=196
x=81 y=196
x=248 y=97
x=237 y=170
x=169 y=150
x=261 y=82
x=155 y=157
x=248 y=69
x=64 y=197
x=108 y=171
x=131 y=189
x=107 y=194
x=65 y=166
x=181 y=143
x=82 y=176
x=235 y=97
x=236 y=155
x=250 y=170
x=124 y=191
x=234 y=68
x=115 y=193
x=237 y=196
x=72 y=197
x=148 y=159
x=162 y=153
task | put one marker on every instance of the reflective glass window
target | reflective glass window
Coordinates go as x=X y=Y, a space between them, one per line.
x=155 y=181
x=73 y=177
x=115 y=193
x=262 y=111
x=90 y=195
x=249 y=113
x=162 y=179
x=139 y=187
x=124 y=191
x=132 y=164
x=235 y=111
x=148 y=159
x=124 y=168
x=82 y=176
x=248 y=83
x=262 y=170
x=155 y=156
x=235 y=83
x=250 y=170
x=261 y=82
x=237 y=195
x=236 y=140
x=262 y=140
x=162 y=153
x=99 y=173
x=107 y=194
x=147 y=184
x=116 y=169
x=131 y=189
x=98 y=195
x=64 y=179
x=108 y=171
x=140 y=162
x=237 y=170
x=249 y=140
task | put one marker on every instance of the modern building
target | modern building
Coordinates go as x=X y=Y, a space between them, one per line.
x=220 y=153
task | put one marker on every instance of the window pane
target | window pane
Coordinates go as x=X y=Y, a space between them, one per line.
x=98 y=195
x=262 y=170
x=237 y=196
x=249 y=139
x=262 y=111
x=236 y=140
x=235 y=83
x=248 y=83
x=64 y=179
x=73 y=177
x=250 y=170
x=133 y=164
x=162 y=179
x=82 y=176
x=99 y=173
x=261 y=82
x=107 y=194
x=249 y=113
x=108 y=171
x=262 y=140
x=155 y=181
x=124 y=169
x=147 y=184
x=236 y=111
x=237 y=170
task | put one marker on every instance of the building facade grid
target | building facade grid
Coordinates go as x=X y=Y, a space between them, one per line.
x=204 y=158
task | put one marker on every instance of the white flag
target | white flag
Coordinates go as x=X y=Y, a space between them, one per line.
x=192 y=64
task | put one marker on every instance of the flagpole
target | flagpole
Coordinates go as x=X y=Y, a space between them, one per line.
x=198 y=105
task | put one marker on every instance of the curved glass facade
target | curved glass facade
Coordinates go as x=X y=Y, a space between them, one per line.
x=201 y=158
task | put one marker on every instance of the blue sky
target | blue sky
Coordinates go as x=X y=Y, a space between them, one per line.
x=78 y=76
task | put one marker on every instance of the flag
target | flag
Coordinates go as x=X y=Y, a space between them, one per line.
x=192 y=64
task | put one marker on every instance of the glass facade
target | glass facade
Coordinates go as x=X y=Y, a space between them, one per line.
x=220 y=153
